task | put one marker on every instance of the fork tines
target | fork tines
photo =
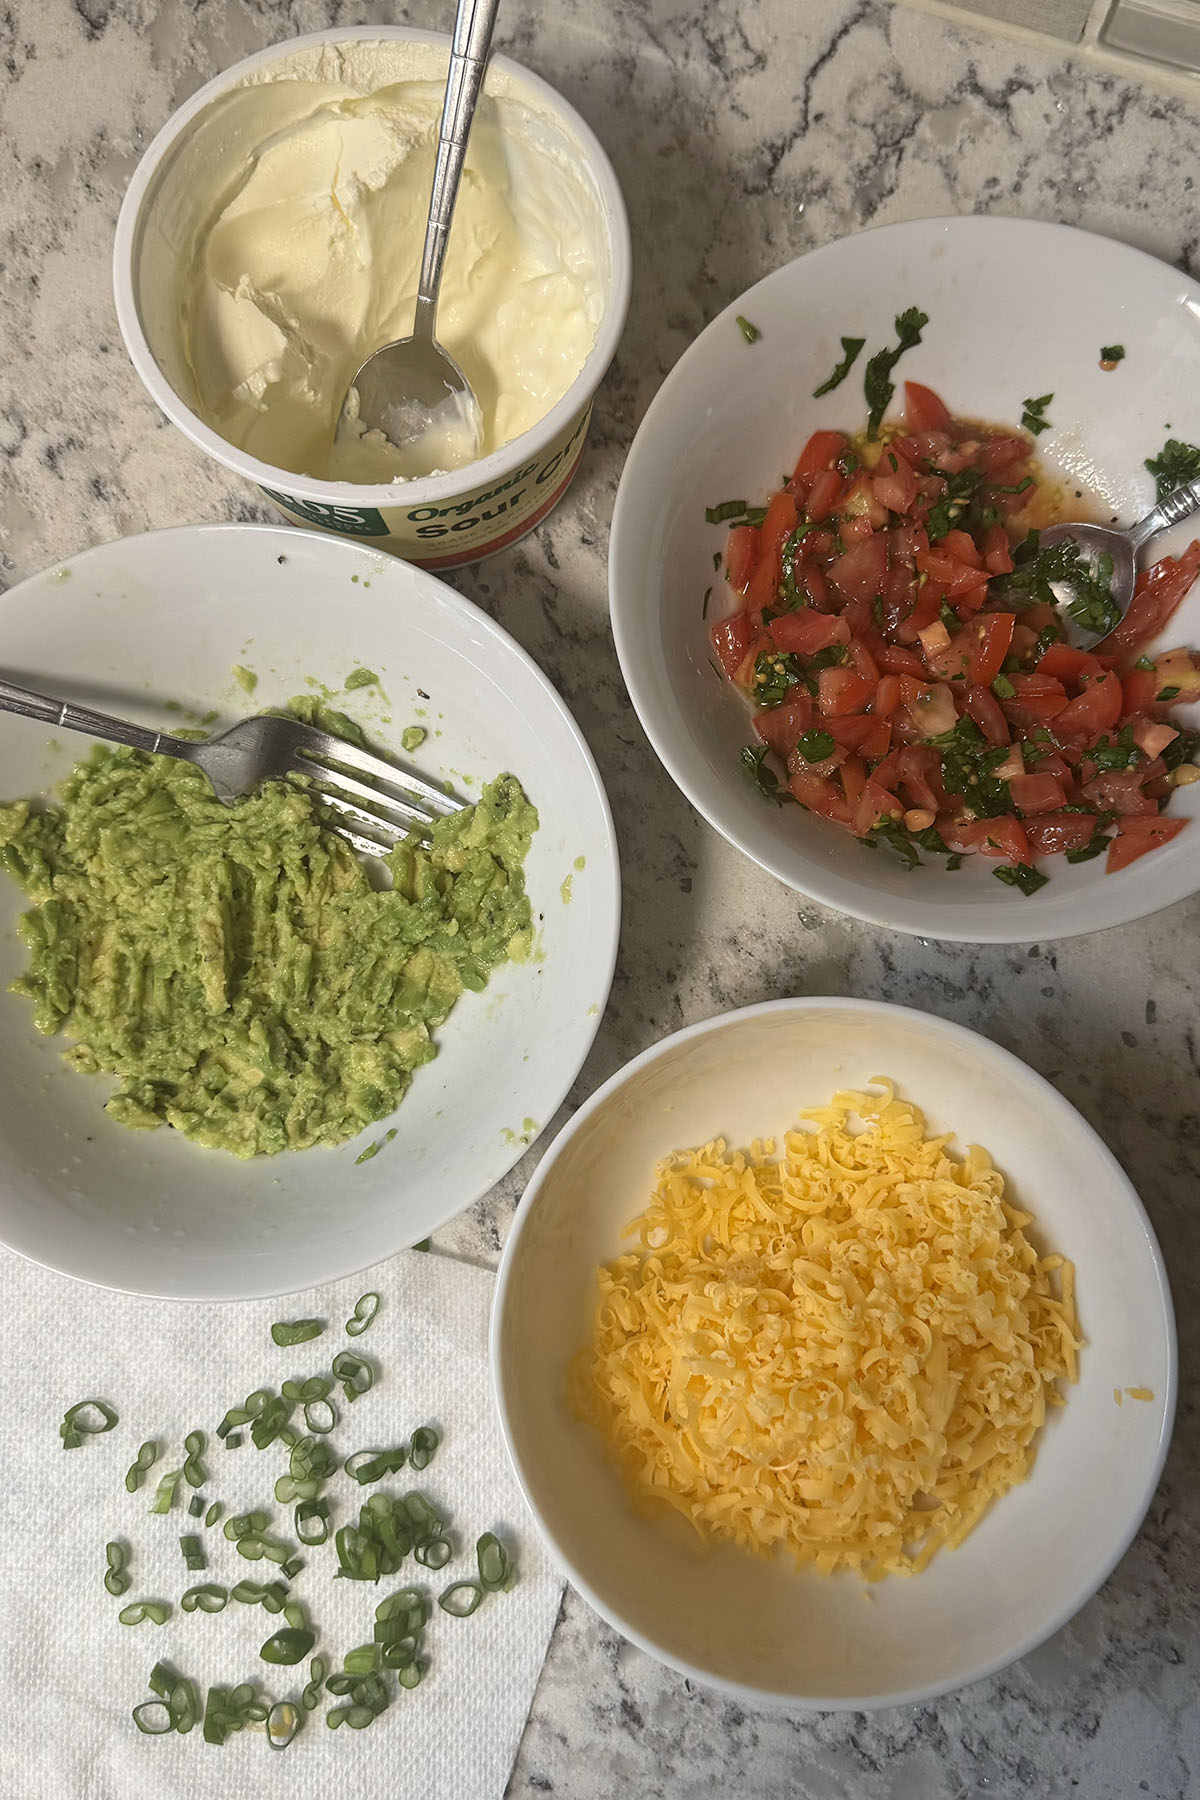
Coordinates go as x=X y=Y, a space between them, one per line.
x=371 y=797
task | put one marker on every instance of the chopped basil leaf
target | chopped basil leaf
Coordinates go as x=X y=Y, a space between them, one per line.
x=849 y=462
x=931 y=839
x=851 y=347
x=893 y=834
x=1143 y=662
x=776 y=672
x=1112 y=353
x=1033 y=414
x=750 y=332
x=955 y=861
x=1167 y=693
x=1095 y=846
x=1035 y=571
x=1021 y=875
x=1003 y=688
x=735 y=509
x=764 y=779
x=949 y=617
x=1175 y=464
x=707 y=598
x=1118 y=753
x=961 y=490
x=815 y=746
x=788 y=591
x=877 y=383
x=1182 y=749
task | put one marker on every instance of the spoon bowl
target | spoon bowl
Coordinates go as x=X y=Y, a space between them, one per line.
x=1083 y=620
x=411 y=404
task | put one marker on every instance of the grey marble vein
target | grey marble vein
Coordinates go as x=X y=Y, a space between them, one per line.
x=744 y=133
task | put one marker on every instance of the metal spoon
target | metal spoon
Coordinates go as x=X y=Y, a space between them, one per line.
x=1122 y=546
x=413 y=391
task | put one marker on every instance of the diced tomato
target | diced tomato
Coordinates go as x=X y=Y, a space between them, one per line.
x=875 y=803
x=853 y=778
x=919 y=768
x=1004 y=837
x=984 y=708
x=1051 y=833
x=961 y=546
x=819 y=795
x=822 y=449
x=1097 y=708
x=842 y=691
x=887 y=696
x=949 y=578
x=934 y=710
x=1136 y=836
x=731 y=639
x=894 y=659
x=780 y=726
x=1120 y=791
x=960 y=834
x=1038 y=695
x=1159 y=591
x=977 y=652
x=1036 y=793
x=741 y=553
x=1000 y=454
x=997 y=554
x=1068 y=664
x=859 y=572
x=777 y=526
x=808 y=631
x=895 y=483
x=824 y=494
x=1150 y=738
x=812 y=579
x=861 y=660
x=923 y=410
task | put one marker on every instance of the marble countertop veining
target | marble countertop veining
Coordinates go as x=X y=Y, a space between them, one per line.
x=744 y=132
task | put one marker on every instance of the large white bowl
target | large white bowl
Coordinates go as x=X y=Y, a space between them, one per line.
x=131 y=625
x=1015 y=309
x=755 y=1628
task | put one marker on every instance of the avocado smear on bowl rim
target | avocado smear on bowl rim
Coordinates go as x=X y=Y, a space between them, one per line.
x=234 y=966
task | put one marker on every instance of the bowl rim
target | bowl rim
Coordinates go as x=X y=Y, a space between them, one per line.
x=840 y=893
x=285 y=539
x=1055 y=1102
x=431 y=488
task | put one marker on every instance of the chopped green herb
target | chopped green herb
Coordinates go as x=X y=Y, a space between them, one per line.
x=193 y=1553
x=1112 y=353
x=1003 y=688
x=1095 y=846
x=750 y=332
x=296 y=1331
x=961 y=490
x=1176 y=464
x=80 y=1421
x=1036 y=570
x=851 y=349
x=735 y=509
x=877 y=383
x=1021 y=875
x=753 y=757
x=1115 y=753
x=288 y=1646
x=949 y=617
x=1167 y=693
x=893 y=834
x=776 y=672
x=815 y=746
x=1182 y=749
x=955 y=861
x=1144 y=662
x=1033 y=414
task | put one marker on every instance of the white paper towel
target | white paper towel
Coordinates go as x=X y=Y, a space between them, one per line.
x=70 y=1672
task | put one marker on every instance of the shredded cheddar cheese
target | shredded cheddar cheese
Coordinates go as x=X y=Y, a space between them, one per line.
x=845 y=1350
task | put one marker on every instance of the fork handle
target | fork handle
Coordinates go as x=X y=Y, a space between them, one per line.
x=81 y=718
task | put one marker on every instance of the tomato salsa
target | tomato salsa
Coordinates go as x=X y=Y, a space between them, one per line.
x=900 y=642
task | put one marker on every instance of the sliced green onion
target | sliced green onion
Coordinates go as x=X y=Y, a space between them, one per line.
x=287 y=1489
x=271 y=1422
x=288 y=1646
x=79 y=1422
x=246 y=1524
x=196 y=1506
x=234 y=1441
x=314 y=1387
x=341 y=1683
x=460 y=1599
x=214 y=1512
x=296 y=1616
x=311 y=1521
x=493 y=1562
x=283 y=1722
x=157 y=1611
x=372 y=1465
x=371 y=1691
x=248 y=1593
x=365 y=1309
x=357 y=1717
x=296 y=1331
x=162 y=1679
x=206 y=1597
x=290 y=1569
x=311 y=1696
x=193 y=1469
x=355 y=1373
x=320 y=1416
x=412 y=1674
x=425 y=1519
x=164 y=1497
x=193 y=1552
x=183 y=1706
x=424 y=1442
x=399 y=1652
x=435 y=1553
x=363 y=1661
x=153 y=1717
x=147 y=1456
x=256 y=1712
x=275 y=1597
x=115 y=1578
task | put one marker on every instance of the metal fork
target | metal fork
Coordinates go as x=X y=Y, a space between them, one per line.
x=373 y=803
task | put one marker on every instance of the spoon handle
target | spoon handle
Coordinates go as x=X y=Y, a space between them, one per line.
x=1179 y=505
x=468 y=63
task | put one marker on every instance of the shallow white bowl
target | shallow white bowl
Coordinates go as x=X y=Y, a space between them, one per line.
x=758 y=1629
x=1015 y=309
x=131 y=625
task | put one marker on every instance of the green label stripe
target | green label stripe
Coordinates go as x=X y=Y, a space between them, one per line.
x=355 y=521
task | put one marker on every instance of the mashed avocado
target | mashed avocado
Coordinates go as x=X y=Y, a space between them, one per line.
x=233 y=965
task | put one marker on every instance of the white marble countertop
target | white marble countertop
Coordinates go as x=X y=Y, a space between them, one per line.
x=744 y=132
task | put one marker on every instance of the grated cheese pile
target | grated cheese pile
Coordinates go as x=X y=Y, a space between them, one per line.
x=846 y=1351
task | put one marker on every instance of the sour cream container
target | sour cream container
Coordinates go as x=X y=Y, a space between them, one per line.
x=440 y=521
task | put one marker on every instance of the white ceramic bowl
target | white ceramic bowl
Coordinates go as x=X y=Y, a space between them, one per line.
x=131 y=625
x=1015 y=309
x=758 y=1629
x=443 y=520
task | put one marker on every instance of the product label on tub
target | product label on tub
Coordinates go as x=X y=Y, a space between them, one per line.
x=462 y=528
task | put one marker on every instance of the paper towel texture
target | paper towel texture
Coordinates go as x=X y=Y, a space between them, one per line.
x=71 y=1673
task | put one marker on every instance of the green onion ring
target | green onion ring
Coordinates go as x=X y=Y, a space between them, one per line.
x=357 y=1717
x=164 y=1495
x=363 y=1661
x=283 y=1722
x=424 y=1442
x=434 y=1553
x=365 y=1309
x=157 y=1611
x=147 y=1456
x=290 y=1569
x=182 y=1706
x=307 y=1512
x=412 y=1674
x=296 y=1331
x=492 y=1559
x=356 y=1373
x=207 y=1596
x=247 y=1524
x=193 y=1469
x=214 y=1512
x=400 y=1652
x=162 y=1679
x=153 y=1717
x=115 y=1578
x=319 y=1409
x=310 y=1698
x=288 y=1646
x=76 y=1426
x=460 y=1609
